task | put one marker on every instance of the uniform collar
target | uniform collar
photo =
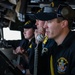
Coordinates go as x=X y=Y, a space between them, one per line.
x=68 y=40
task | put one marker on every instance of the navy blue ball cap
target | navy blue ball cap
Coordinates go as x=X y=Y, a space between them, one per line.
x=45 y=13
x=29 y=24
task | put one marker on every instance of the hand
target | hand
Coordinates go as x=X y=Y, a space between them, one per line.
x=14 y=52
x=18 y=50
x=41 y=31
x=28 y=72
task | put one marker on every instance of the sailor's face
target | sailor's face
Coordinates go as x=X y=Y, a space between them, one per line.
x=40 y=28
x=28 y=33
x=53 y=28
